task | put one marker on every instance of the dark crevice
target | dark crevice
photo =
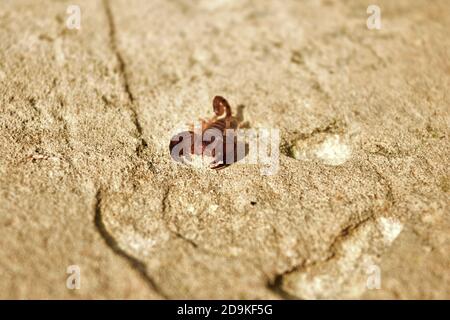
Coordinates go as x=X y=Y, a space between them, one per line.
x=124 y=76
x=113 y=245
x=384 y=181
x=189 y=241
x=276 y=286
x=67 y=139
x=335 y=126
x=347 y=232
x=175 y=233
x=114 y=46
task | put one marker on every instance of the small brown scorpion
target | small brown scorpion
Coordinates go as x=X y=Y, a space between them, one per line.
x=195 y=143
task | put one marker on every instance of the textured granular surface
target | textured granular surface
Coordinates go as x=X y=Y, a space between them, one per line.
x=359 y=207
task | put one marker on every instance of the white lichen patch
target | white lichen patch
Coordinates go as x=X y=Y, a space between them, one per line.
x=390 y=228
x=137 y=243
x=212 y=208
x=190 y=209
x=332 y=150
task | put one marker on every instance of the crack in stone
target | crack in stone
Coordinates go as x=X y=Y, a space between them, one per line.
x=177 y=234
x=335 y=126
x=347 y=232
x=276 y=286
x=111 y=242
x=273 y=284
x=192 y=243
x=389 y=193
x=124 y=76
x=67 y=137
x=276 y=283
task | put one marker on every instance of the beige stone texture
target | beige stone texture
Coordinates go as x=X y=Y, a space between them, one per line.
x=86 y=177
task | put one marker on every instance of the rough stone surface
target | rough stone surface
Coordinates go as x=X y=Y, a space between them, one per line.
x=86 y=178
